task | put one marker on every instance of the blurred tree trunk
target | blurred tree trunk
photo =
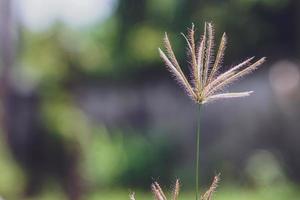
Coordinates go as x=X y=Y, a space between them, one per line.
x=6 y=41
x=30 y=142
x=297 y=24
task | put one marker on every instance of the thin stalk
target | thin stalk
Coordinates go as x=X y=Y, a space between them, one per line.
x=197 y=152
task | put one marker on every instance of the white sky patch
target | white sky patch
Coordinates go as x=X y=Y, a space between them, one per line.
x=40 y=14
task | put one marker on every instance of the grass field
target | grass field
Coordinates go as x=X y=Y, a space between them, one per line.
x=225 y=192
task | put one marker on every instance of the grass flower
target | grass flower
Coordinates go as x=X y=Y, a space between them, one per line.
x=206 y=81
x=204 y=86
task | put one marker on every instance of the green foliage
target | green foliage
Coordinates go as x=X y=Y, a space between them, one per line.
x=104 y=158
x=162 y=9
x=142 y=44
x=12 y=179
x=110 y=159
x=63 y=117
x=263 y=169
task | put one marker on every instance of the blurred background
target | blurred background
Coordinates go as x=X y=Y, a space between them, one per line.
x=88 y=110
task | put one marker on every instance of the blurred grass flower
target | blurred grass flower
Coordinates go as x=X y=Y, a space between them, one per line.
x=160 y=195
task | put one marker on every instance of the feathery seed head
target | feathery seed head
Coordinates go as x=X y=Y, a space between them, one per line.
x=206 y=81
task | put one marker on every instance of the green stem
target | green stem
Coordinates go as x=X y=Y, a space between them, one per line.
x=197 y=152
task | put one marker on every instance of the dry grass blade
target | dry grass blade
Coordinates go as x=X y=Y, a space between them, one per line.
x=157 y=191
x=160 y=190
x=210 y=88
x=208 y=53
x=228 y=95
x=170 y=52
x=234 y=69
x=173 y=61
x=176 y=190
x=238 y=75
x=200 y=60
x=191 y=38
x=219 y=57
x=248 y=70
x=188 y=42
x=179 y=76
x=208 y=194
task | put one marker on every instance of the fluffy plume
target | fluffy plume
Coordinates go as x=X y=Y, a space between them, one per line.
x=206 y=81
